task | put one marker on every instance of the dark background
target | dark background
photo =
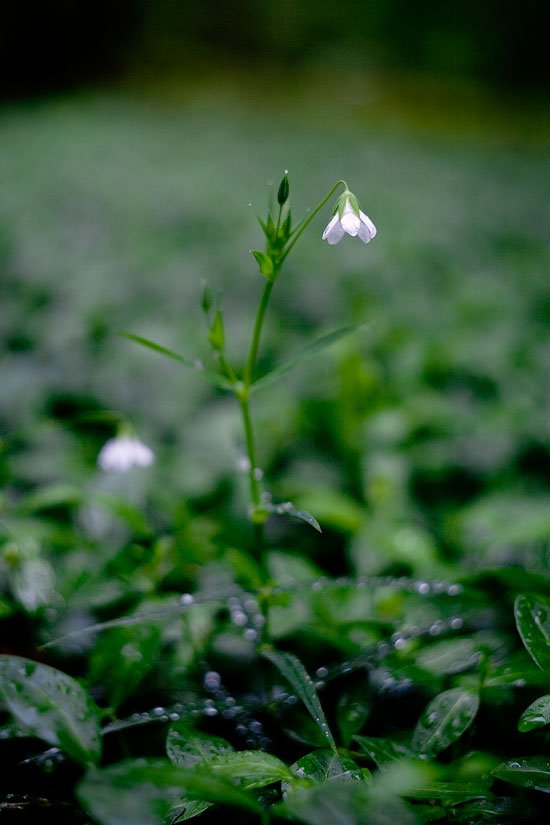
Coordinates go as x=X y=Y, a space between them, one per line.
x=61 y=44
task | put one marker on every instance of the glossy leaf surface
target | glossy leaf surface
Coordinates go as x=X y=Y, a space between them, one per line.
x=52 y=706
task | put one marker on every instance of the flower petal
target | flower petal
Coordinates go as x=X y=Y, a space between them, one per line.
x=350 y=219
x=334 y=231
x=367 y=230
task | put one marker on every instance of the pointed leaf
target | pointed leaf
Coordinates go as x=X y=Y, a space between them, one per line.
x=536 y=715
x=213 y=377
x=533 y=624
x=51 y=705
x=287 y=508
x=216 y=334
x=264 y=262
x=383 y=752
x=444 y=721
x=295 y=673
x=250 y=769
x=187 y=747
x=309 y=352
x=527 y=772
x=327 y=766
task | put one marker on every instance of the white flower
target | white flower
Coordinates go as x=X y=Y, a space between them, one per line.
x=349 y=218
x=124 y=452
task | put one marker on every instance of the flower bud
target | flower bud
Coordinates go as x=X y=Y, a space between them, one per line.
x=284 y=188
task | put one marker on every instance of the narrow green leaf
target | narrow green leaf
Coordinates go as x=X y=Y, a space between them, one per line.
x=51 y=705
x=206 y=300
x=533 y=624
x=52 y=495
x=527 y=772
x=444 y=721
x=264 y=262
x=309 y=352
x=287 y=508
x=213 y=377
x=295 y=673
x=536 y=715
x=383 y=752
x=450 y=791
x=216 y=334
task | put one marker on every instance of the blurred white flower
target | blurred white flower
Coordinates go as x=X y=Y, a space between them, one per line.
x=349 y=219
x=124 y=452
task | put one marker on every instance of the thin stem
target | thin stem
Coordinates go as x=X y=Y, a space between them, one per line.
x=255 y=342
x=310 y=217
x=250 y=450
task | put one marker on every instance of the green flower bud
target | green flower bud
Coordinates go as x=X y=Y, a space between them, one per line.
x=284 y=188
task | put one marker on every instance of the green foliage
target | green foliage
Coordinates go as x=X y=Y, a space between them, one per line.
x=283 y=676
x=52 y=706
x=444 y=721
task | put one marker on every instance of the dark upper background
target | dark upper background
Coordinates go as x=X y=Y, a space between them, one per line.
x=60 y=44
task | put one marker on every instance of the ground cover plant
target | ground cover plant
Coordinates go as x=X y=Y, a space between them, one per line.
x=176 y=644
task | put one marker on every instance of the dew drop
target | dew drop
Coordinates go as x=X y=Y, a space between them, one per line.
x=251 y=634
x=212 y=680
x=186 y=599
x=321 y=672
x=514 y=765
x=454 y=589
x=456 y=623
x=239 y=618
x=211 y=711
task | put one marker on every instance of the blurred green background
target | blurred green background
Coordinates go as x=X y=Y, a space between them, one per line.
x=139 y=142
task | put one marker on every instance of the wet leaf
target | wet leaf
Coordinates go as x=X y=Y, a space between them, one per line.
x=309 y=352
x=450 y=656
x=295 y=673
x=186 y=747
x=444 y=721
x=327 y=766
x=527 y=772
x=251 y=769
x=536 y=715
x=533 y=624
x=121 y=658
x=287 y=508
x=145 y=791
x=52 y=706
x=383 y=752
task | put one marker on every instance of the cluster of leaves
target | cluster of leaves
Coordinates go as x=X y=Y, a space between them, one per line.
x=425 y=702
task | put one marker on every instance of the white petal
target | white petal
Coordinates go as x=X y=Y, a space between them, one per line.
x=334 y=231
x=124 y=452
x=367 y=230
x=351 y=223
x=330 y=225
x=350 y=220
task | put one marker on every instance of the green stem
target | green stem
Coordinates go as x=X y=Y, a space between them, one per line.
x=310 y=217
x=255 y=342
x=250 y=450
